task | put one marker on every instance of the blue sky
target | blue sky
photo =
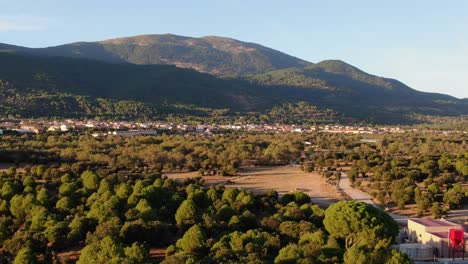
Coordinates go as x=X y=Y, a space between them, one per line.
x=423 y=43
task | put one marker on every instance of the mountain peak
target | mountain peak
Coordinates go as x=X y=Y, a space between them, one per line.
x=211 y=54
x=338 y=66
x=144 y=40
x=214 y=37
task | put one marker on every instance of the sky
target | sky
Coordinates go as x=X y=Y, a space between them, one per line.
x=423 y=43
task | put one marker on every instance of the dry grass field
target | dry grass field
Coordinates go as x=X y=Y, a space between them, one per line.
x=282 y=179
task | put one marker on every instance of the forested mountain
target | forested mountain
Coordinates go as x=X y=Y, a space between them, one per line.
x=345 y=88
x=154 y=84
x=211 y=54
x=53 y=83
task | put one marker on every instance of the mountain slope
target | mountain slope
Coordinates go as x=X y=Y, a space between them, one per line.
x=212 y=54
x=347 y=89
x=155 y=84
x=45 y=104
x=127 y=89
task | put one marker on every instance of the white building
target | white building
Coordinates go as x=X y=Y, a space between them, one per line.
x=432 y=232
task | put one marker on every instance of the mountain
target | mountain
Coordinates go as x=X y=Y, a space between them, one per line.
x=344 y=79
x=87 y=79
x=215 y=55
x=154 y=84
x=337 y=85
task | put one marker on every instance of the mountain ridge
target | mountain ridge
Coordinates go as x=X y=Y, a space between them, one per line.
x=211 y=54
x=156 y=85
x=190 y=72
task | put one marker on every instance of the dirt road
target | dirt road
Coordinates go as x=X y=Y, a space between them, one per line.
x=358 y=195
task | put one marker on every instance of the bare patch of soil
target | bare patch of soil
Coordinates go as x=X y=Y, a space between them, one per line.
x=282 y=179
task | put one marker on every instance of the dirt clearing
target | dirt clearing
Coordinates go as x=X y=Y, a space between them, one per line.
x=282 y=179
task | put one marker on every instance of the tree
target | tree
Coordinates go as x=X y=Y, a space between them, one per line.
x=136 y=254
x=56 y=232
x=90 y=180
x=40 y=170
x=186 y=213
x=67 y=189
x=66 y=178
x=230 y=195
x=3 y=231
x=21 y=206
x=429 y=167
x=110 y=250
x=212 y=194
x=311 y=243
x=292 y=229
x=43 y=197
x=25 y=256
x=145 y=210
x=464 y=170
x=11 y=171
x=398 y=257
x=78 y=228
x=454 y=197
x=437 y=210
x=423 y=200
x=352 y=175
x=402 y=191
x=8 y=190
x=287 y=198
x=360 y=224
x=290 y=254
x=193 y=241
x=124 y=191
x=28 y=181
x=356 y=255
x=301 y=198
x=225 y=213
x=64 y=204
x=433 y=189
x=150 y=232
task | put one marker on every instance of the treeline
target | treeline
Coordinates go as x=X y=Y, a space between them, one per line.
x=42 y=103
x=429 y=170
x=39 y=103
x=217 y=155
x=459 y=123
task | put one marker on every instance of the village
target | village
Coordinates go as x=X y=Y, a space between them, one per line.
x=132 y=128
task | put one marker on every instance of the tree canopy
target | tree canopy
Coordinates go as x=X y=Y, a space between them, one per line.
x=360 y=224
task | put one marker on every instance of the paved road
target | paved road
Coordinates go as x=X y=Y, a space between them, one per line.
x=358 y=195
x=459 y=216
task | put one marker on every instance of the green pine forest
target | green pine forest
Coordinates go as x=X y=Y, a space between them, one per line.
x=109 y=199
